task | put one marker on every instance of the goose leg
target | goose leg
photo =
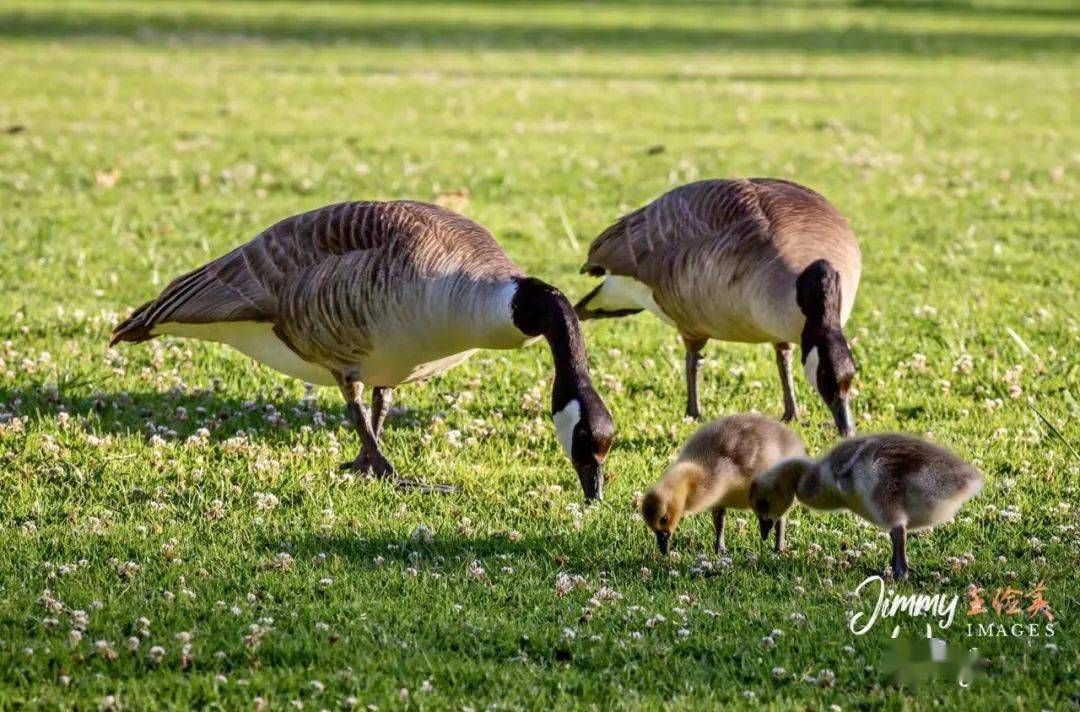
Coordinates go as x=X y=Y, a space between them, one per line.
x=370 y=458
x=693 y=359
x=778 y=547
x=784 y=352
x=381 y=398
x=718 y=516
x=898 y=535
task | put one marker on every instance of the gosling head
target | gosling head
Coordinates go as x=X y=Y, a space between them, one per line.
x=664 y=505
x=827 y=360
x=773 y=491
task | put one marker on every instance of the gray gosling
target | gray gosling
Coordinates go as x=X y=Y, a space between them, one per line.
x=714 y=472
x=897 y=482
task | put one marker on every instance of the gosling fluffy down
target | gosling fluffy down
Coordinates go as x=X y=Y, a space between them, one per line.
x=714 y=471
x=898 y=482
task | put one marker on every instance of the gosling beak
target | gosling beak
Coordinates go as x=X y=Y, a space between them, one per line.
x=841 y=411
x=591 y=476
x=766 y=525
x=663 y=541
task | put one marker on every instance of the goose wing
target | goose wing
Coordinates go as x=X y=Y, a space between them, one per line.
x=250 y=283
x=724 y=217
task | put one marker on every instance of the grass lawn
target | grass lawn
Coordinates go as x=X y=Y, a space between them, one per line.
x=177 y=482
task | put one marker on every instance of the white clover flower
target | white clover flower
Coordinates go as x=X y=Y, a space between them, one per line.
x=566 y=582
x=265 y=501
x=423 y=534
x=215 y=511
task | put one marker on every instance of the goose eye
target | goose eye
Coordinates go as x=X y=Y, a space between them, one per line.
x=663 y=521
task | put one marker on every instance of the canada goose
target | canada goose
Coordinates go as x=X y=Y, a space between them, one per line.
x=758 y=260
x=714 y=471
x=898 y=482
x=379 y=294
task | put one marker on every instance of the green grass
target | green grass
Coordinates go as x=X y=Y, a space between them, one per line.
x=144 y=138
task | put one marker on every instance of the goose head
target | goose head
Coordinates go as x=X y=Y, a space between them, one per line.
x=773 y=491
x=826 y=356
x=585 y=431
x=582 y=421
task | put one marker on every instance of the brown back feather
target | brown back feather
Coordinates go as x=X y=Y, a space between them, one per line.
x=735 y=213
x=249 y=283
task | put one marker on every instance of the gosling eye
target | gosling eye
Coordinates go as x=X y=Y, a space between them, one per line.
x=663 y=521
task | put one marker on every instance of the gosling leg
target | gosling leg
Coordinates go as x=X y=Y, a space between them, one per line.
x=898 y=535
x=719 y=515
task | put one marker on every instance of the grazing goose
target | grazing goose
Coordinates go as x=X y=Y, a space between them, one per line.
x=897 y=482
x=758 y=260
x=714 y=471
x=379 y=294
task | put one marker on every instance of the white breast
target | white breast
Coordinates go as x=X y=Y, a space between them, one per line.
x=436 y=328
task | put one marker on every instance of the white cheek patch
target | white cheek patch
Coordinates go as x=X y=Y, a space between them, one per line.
x=565 y=422
x=810 y=367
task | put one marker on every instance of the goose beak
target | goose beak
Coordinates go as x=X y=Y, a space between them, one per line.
x=591 y=476
x=663 y=541
x=766 y=525
x=841 y=410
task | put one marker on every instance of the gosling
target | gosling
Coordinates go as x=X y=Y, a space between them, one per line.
x=897 y=482
x=714 y=471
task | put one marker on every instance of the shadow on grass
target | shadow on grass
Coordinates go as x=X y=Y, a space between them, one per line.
x=561 y=550
x=266 y=418
x=508 y=73
x=161 y=26
x=272 y=419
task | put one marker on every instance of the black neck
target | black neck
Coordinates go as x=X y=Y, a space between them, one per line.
x=541 y=310
x=817 y=291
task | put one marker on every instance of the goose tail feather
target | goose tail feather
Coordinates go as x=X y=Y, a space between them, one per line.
x=597 y=304
x=134 y=329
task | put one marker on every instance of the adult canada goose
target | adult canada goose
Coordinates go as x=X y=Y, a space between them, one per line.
x=758 y=260
x=714 y=471
x=897 y=482
x=379 y=294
